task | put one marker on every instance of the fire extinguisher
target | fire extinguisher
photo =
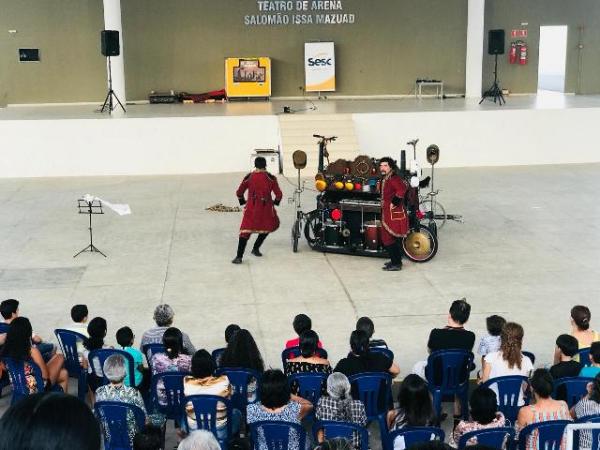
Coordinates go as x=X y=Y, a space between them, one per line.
x=512 y=54
x=523 y=54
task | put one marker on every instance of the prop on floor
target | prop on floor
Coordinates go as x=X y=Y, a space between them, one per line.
x=219 y=207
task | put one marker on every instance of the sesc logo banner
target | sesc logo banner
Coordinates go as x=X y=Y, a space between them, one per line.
x=319 y=66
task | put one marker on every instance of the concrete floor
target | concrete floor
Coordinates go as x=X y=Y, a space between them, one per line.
x=528 y=250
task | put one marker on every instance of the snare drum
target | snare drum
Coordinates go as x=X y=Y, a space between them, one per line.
x=332 y=235
x=372 y=235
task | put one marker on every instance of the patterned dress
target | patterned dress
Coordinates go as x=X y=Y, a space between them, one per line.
x=162 y=363
x=292 y=367
x=544 y=416
x=465 y=427
x=123 y=394
x=289 y=413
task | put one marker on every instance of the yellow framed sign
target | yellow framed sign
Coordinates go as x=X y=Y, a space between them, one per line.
x=248 y=77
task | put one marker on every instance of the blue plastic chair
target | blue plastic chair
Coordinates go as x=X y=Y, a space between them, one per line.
x=374 y=390
x=510 y=389
x=16 y=374
x=205 y=413
x=173 y=388
x=97 y=357
x=294 y=352
x=346 y=430
x=589 y=419
x=530 y=355
x=216 y=355
x=593 y=436
x=68 y=340
x=309 y=385
x=550 y=434
x=584 y=356
x=384 y=351
x=113 y=421
x=414 y=435
x=447 y=373
x=151 y=349
x=498 y=438
x=277 y=434
x=240 y=378
x=576 y=387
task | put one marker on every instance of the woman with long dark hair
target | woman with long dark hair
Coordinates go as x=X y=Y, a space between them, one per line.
x=96 y=332
x=174 y=360
x=415 y=405
x=243 y=352
x=18 y=347
x=308 y=361
x=361 y=359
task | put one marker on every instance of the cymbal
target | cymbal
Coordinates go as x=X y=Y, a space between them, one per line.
x=417 y=243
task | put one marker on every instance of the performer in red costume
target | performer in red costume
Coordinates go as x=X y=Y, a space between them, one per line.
x=394 y=218
x=259 y=213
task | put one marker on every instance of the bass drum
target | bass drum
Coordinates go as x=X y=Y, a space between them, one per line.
x=420 y=245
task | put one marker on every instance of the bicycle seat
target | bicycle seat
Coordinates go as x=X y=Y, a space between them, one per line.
x=413 y=142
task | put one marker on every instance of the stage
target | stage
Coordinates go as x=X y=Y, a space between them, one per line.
x=73 y=140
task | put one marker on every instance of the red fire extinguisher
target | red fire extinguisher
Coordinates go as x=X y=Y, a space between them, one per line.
x=512 y=54
x=523 y=54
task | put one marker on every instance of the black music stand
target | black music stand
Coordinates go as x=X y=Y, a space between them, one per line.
x=90 y=208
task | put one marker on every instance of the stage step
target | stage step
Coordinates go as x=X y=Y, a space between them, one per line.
x=297 y=134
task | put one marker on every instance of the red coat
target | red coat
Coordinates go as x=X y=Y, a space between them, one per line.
x=259 y=212
x=394 y=219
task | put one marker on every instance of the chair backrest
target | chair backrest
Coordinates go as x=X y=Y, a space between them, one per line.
x=278 y=434
x=294 y=352
x=96 y=358
x=448 y=371
x=530 y=355
x=510 y=390
x=18 y=379
x=68 y=340
x=583 y=435
x=589 y=419
x=498 y=438
x=151 y=349
x=346 y=430
x=384 y=351
x=172 y=384
x=575 y=388
x=549 y=434
x=584 y=356
x=216 y=355
x=415 y=435
x=374 y=390
x=113 y=419
x=205 y=413
x=310 y=385
x=240 y=378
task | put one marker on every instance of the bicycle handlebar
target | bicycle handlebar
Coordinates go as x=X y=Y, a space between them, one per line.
x=332 y=138
x=413 y=142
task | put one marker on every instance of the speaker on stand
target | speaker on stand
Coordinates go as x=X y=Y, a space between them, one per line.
x=109 y=43
x=495 y=47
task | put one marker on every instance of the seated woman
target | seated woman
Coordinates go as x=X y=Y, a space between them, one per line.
x=544 y=408
x=580 y=328
x=588 y=406
x=202 y=382
x=277 y=403
x=115 y=369
x=95 y=341
x=242 y=352
x=308 y=361
x=484 y=414
x=415 y=407
x=339 y=406
x=18 y=347
x=174 y=360
x=362 y=360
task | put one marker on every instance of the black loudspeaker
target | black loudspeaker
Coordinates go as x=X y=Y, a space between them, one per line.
x=110 y=42
x=496 y=42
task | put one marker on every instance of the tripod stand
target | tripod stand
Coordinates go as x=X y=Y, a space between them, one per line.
x=494 y=92
x=89 y=207
x=108 y=101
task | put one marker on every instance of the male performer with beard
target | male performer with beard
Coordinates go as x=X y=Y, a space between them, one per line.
x=394 y=218
x=259 y=213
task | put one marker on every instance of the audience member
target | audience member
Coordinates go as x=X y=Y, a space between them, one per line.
x=566 y=348
x=339 y=406
x=490 y=342
x=230 y=330
x=309 y=360
x=79 y=318
x=202 y=382
x=366 y=324
x=174 y=360
x=148 y=439
x=277 y=403
x=116 y=391
x=97 y=332
x=580 y=326
x=483 y=405
x=508 y=360
x=125 y=339
x=301 y=324
x=243 y=352
x=163 y=317
x=415 y=407
x=543 y=409
x=453 y=335
x=362 y=360
x=594 y=369
x=588 y=406
x=200 y=440
x=49 y=422
x=18 y=347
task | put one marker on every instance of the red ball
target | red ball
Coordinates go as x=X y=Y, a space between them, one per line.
x=336 y=214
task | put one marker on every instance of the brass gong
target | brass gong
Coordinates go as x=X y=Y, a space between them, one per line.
x=417 y=243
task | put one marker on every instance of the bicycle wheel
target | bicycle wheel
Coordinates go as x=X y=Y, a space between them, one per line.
x=312 y=228
x=295 y=235
x=420 y=245
x=435 y=211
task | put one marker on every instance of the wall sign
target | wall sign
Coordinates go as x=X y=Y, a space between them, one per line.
x=518 y=33
x=319 y=66
x=299 y=12
x=248 y=77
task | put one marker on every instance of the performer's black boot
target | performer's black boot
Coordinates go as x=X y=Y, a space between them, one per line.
x=240 y=251
x=259 y=240
x=396 y=258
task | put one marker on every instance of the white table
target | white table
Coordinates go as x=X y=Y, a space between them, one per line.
x=439 y=88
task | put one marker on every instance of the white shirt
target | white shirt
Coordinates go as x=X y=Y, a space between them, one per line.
x=499 y=368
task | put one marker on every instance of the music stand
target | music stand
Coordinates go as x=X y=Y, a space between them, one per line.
x=90 y=208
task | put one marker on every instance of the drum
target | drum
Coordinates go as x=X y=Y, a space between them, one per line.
x=372 y=235
x=332 y=236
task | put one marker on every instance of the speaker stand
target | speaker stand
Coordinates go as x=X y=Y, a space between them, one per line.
x=495 y=92
x=108 y=101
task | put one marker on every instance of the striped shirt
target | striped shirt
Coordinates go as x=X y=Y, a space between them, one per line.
x=586 y=407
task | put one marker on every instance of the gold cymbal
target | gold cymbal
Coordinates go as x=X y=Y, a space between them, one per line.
x=417 y=243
